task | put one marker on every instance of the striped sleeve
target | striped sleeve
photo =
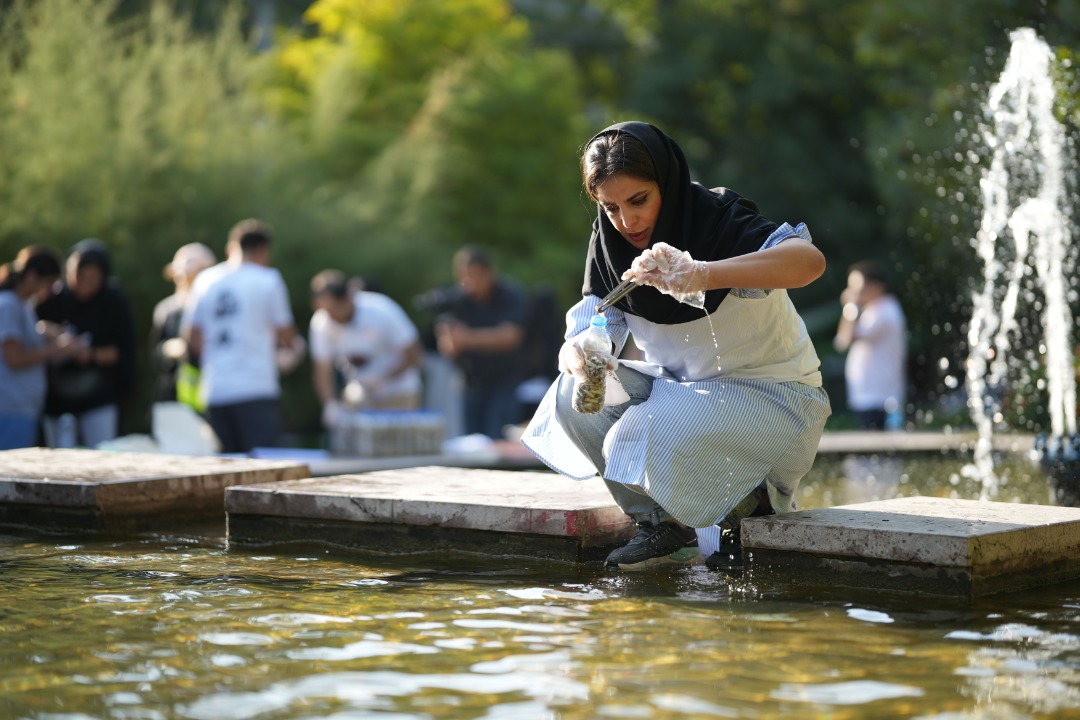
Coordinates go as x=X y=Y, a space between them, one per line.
x=784 y=232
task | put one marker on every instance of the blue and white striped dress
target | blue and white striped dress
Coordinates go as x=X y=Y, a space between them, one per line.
x=736 y=399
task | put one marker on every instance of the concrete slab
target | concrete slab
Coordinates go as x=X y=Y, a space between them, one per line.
x=919 y=545
x=538 y=514
x=498 y=455
x=97 y=491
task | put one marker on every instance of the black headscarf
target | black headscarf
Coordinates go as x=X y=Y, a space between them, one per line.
x=91 y=251
x=711 y=225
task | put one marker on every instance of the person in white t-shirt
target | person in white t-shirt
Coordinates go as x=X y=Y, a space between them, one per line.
x=872 y=331
x=237 y=321
x=365 y=351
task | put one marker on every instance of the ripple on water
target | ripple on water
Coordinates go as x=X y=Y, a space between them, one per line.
x=236 y=638
x=871 y=616
x=540 y=593
x=361 y=649
x=298 y=619
x=369 y=691
x=539 y=628
x=855 y=692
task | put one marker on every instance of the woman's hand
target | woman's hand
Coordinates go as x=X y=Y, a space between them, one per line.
x=671 y=271
x=572 y=359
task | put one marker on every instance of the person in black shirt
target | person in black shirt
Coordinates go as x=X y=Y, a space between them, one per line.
x=481 y=330
x=85 y=392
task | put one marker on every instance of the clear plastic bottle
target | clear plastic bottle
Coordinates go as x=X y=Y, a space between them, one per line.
x=589 y=393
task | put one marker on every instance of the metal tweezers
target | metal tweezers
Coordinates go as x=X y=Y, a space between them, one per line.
x=616 y=295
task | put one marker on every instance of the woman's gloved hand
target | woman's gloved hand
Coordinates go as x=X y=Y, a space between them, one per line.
x=572 y=362
x=572 y=359
x=671 y=271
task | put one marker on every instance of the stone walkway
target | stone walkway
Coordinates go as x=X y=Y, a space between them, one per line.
x=92 y=490
x=919 y=545
x=538 y=514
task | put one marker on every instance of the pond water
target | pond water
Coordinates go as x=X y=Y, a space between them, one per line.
x=177 y=625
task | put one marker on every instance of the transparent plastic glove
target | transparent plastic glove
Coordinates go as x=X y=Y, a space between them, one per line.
x=572 y=359
x=671 y=271
x=572 y=362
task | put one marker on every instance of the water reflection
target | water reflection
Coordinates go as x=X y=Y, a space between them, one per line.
x=166 y=626
x=844 y=480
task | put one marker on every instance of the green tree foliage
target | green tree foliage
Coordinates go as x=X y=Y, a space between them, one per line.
x=442 y=184
x=148 y=136
x=378 y=136
x=366 y=71
x=446 y=127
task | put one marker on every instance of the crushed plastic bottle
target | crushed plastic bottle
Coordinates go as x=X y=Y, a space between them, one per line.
x=589 y=392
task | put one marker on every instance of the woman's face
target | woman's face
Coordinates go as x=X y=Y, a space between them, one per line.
x=632 y=205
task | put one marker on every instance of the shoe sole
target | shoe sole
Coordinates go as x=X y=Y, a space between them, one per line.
x=683 y=556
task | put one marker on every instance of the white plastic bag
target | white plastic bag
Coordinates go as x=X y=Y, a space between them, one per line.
x=179 y=430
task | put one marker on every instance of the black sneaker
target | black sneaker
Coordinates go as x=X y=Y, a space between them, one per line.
x=663 y=544
x=729 y=556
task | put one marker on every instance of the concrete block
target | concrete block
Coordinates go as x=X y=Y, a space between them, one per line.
x=91 y=490
x=433 y=508
x=919 y=545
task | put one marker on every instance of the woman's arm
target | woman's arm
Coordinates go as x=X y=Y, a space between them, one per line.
x=793 y=263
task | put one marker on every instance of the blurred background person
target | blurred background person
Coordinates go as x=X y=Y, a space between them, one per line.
x=540 y=349
x=481 y=330
x=85 y=391
x=27 y=345
x=177 y=375
x=365 y=351
x=235 y=321
x=872 y=330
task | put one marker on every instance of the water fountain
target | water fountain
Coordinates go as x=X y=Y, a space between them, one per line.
x=1025 y=221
